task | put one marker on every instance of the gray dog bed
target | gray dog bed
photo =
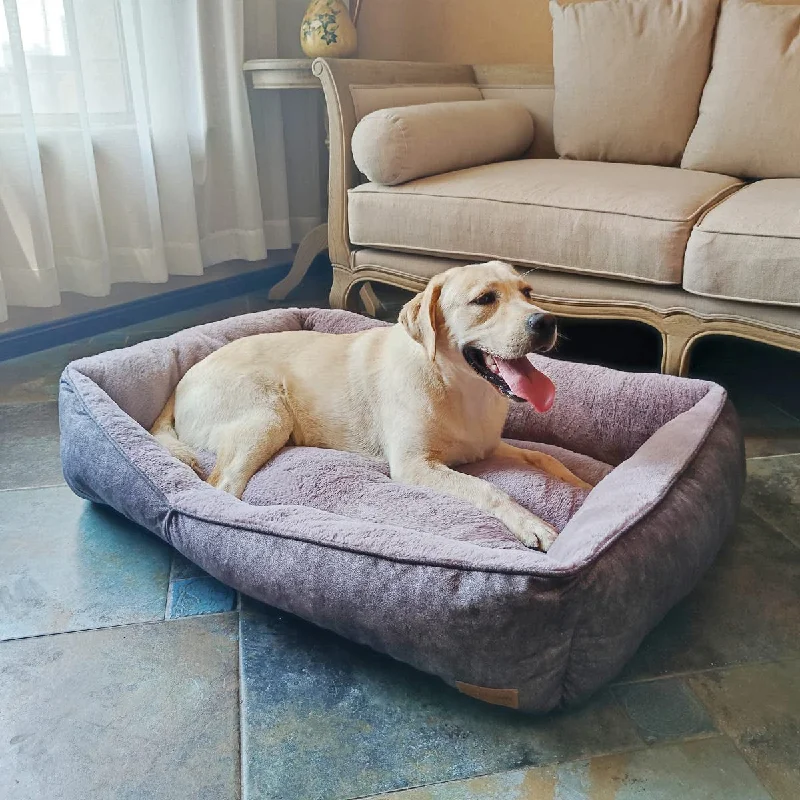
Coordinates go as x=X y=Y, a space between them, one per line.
x=426 y=578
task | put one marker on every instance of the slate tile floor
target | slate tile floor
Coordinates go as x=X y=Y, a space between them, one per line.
x=127 y=672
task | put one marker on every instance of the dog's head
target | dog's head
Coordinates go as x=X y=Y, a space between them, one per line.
x=482 y=317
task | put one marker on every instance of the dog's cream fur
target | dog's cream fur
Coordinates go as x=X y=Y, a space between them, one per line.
x=402 y=393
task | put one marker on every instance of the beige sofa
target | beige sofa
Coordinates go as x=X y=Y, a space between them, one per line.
x=689 y=252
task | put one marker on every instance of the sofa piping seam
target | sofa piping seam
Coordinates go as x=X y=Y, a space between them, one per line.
x=710 y=315
x=789 y=236
x=774 y=303
x=543 y=264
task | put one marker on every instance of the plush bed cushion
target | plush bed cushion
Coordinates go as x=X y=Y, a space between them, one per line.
x=416 y=574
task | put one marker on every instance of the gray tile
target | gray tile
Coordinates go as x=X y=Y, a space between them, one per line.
x=325 y=718
x=313 y=290
x=750 y=369
x=258 y=302
x=772 y=445
x=183 y=568
x=69 y=565
x=211 y=312
x=664 y=709
x=760 y=417
x=137 y=337
x=141 y=712
x=34 y=378
x=189 y=597
x=773 y=492
x=746 y=609
x=29 y=446
x=710 y=769
x=759 y=708
x=29 y=379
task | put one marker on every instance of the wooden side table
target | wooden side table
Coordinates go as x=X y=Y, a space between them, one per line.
x=295 y=73
x=282 y=74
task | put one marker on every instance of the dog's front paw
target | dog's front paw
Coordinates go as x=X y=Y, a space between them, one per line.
x=535 y=533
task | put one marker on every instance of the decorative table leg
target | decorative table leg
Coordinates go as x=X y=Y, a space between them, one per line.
x=314 y=243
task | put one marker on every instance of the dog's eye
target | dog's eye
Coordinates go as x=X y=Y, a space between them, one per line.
x=485 y=299
x=528 y=292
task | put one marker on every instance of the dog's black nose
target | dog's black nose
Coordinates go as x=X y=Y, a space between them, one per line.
x=542 y=325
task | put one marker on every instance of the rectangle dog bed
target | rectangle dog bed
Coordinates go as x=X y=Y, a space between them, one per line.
x=427 y=578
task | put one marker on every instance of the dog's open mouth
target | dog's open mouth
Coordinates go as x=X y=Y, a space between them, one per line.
x=515 y=378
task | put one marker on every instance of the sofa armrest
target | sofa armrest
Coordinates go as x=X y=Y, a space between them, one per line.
x=337 y=76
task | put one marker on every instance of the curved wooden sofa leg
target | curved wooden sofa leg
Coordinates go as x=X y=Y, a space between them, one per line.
x=340 y=289
x=677 y=337
x=371 y=301
x=674 y=360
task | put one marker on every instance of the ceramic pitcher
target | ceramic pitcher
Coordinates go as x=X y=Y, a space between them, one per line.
x=327 y=30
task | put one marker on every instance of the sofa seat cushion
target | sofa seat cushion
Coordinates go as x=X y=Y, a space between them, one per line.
x=748 y=247
x=622 y=220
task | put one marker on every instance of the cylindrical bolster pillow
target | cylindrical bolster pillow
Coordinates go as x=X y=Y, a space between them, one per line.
x=395 y=145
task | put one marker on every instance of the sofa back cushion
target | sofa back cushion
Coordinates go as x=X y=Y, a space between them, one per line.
x=538 y=99
x=395 y=145
x=749 y=123
x=628 y=76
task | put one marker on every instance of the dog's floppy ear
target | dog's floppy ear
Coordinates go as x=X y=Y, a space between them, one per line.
x=419 y=316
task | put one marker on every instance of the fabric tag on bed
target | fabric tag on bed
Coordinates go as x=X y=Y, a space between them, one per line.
x=498 y=697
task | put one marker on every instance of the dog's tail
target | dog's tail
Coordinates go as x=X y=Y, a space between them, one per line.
x=164 y=431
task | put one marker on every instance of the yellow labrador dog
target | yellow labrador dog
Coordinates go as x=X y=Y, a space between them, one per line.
x=427 y=394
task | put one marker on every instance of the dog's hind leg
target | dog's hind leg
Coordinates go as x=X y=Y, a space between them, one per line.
x=248 y=441
x=541 y=461
x=164 y=431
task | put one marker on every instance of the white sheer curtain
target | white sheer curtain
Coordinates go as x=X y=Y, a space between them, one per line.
x=126 y=145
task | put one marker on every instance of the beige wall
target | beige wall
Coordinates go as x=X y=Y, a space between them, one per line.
x=457 y=31
x=462 y=31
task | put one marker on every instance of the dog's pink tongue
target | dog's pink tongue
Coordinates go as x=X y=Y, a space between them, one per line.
x=527 y=382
